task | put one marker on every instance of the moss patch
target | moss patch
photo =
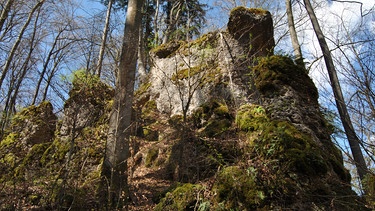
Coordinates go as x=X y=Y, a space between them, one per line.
x=151 y=156
x=249 y=117
x=184 y=197
x=369 y=186
x=273 y=139
x=89 y=88
x=206 y=41
x=236 y=188
x=35 y=124
x=244 y=10
x=273 y=72
x=187 y=73
x=212 y=118
x=167 y=50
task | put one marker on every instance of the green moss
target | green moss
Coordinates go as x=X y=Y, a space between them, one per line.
x=167 y=50
x=215 y=127
x=206 y=41
x=188 y=73
x=9 y=159
x=32 y=113
x=151 y=156
x=32 y=159
x=56 y=152
x=149 y=110
x=88 y=88
x=250 y=117
x=149 y=115
x=34 y=199
x=143 y=88
x=213 y=118
x=281 y=140
x=9 y=140
x=9 y=151
x=273 y=72
x=184 y=197
x=237 y=188
x=272 y=139
x=369 y=186
x=221 y=110
x=214 y=107
x=150 y=134
x=244 y=10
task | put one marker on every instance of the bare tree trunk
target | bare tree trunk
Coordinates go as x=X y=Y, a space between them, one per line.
x=293 y=34
x=18 y=41
x=141 y=57
x=104 y=39
x=117 y=148
x=354 y=141
x=156 y=26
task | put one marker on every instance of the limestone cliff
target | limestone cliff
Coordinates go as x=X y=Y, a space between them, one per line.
x=221 y=124
x=247 y=130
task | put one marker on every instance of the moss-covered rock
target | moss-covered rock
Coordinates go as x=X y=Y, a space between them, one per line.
x=151 y=156
x=274 y=72
x=258 y=147
x=289 y=152
x=35 y=124
x=237 y=189
x=247 y=117
x=212 y=118
x=59 y=172
x=88 y=88
x=253 y=28
x=167 y=50
x=184 y=197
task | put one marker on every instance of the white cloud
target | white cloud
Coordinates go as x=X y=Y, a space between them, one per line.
x=337 y=20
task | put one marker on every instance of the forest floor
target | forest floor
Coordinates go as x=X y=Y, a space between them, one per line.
x=145 y=184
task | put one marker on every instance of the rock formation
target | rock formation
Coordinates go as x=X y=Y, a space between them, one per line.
x=221 y=124
x=242 y=100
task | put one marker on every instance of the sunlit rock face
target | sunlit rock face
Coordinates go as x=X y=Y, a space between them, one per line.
x=185 y=75
x=238 y=94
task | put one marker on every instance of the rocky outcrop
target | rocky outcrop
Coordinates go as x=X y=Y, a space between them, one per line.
x=36 y=124
x=251 y=114
x=57 y=166
x=221 y=124
x=253 y=28
x=86 y=105
x=186 y=75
